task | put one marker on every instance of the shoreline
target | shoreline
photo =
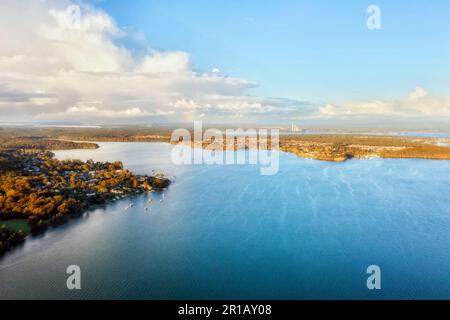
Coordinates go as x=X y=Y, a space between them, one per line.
x=335 y=146
x=328 y=154
x=330 y=148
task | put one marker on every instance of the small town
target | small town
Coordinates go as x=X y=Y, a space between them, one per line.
x=40 y=191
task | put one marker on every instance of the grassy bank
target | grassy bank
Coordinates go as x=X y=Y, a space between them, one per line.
x=17 y=224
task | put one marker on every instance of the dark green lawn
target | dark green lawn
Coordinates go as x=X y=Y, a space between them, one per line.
x=16 y=225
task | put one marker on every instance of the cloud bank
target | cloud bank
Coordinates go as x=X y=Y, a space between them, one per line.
x=417 y=103
x=55 y=68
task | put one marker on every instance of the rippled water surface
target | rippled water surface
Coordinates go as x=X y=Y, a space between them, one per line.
x=227 y=232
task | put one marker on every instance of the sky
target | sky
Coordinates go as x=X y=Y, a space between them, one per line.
x=266 y=61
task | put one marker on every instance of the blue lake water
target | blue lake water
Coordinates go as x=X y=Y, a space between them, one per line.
x=310 y=231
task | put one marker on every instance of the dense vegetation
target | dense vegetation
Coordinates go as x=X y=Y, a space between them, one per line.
x=342 y=147
x=128 y=134
x=10 y=239
x=44 y=144
x=47 y=192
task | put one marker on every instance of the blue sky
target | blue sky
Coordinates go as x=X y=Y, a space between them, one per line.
x=309 y=50
x=148 y=61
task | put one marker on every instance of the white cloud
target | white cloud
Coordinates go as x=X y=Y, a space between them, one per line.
x=418 y=93
x=234 y=105
x=82 y=109
x=165 y=62
x=85 y=112
x=417 y=103
x=51 y=70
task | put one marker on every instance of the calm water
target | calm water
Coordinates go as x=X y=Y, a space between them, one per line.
x=227 y=232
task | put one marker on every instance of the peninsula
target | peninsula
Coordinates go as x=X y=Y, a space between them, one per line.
x=331 y=147
x=38 y=191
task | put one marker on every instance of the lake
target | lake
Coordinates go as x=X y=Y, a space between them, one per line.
x=227 y=232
